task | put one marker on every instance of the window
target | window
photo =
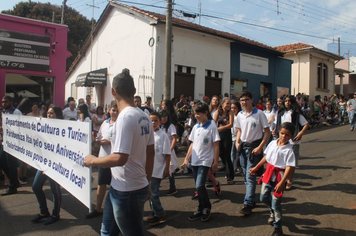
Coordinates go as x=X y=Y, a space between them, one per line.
x=322 y=76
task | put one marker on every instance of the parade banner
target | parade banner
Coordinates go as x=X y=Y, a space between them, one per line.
x=56 y=147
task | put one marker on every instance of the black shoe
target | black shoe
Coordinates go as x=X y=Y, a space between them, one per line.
x=10 y=191
x=246 y=210
x=205 y=215
x=40 y=217
x=93 y=214
x=155 y=220
x=52 y=219
x=171 y=192
x=277 y=232
x=196 y=216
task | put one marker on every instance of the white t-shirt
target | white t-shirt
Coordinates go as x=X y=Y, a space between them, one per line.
x=287 y=117
x=162 y=148
x=171 y=132
x=234 y=129
x=203 y=138
x=106 y=132
x=134 y=133
x=280 y=156
x=270 y=115
x=252 y=125
x=68 y=114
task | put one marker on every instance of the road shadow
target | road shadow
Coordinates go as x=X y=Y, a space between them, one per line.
x=305 y=226
x=323 y=167
x=341 y=187
x=312 y=208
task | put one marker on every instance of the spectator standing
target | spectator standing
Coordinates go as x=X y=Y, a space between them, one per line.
x=9 y=163
x=351 y=109
x=70 y=112
x=131 y=162
x=39 y=181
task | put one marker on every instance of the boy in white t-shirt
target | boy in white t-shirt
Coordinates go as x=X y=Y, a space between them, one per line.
x=160 y=169
x=131 y=161
x=203 y=153
x=280 y=159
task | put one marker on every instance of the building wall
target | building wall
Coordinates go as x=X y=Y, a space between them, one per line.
x=317 y=58
x=279 y=70
x=300 y=73
x=121 y=43
x=129 y=47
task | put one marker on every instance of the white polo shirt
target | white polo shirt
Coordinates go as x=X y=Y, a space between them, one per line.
x=280 y=156
x=134 y=133
x=162 y=148
x=203 y=138
x=251 y=125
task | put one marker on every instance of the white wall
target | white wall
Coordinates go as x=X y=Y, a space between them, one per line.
x=121 y=43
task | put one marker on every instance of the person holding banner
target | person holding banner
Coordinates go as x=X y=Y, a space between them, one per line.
x=9 y=163
x=40 y=179
x=104 y=138
x=131 y=162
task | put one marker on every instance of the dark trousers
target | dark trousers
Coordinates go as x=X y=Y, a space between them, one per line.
x=225 y=153
x=9 y=164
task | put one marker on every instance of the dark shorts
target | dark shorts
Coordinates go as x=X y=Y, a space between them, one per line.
x=104 y=176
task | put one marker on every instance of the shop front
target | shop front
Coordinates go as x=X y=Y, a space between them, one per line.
x=32 y=59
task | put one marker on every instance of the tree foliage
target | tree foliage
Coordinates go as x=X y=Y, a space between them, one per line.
x=79 y=26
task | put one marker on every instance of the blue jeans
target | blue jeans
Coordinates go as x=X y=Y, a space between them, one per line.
x=155 y=202
x=352 y=118
x=200 y=174
x=247 y=161
x=37 y=187
x=125 y=210
x=272 y=202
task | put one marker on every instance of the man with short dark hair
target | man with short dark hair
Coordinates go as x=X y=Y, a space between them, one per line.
x=131 y=162
x=252 y=135
x=9 y=163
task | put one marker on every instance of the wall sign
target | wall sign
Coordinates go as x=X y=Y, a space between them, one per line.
x=24 y=51
x=253 y=64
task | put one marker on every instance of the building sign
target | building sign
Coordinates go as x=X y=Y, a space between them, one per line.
x=352 y=66
x=96 y=77
x=253 y=64
x=24 y=51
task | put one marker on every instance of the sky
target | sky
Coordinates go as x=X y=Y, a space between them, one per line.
x=272 y=22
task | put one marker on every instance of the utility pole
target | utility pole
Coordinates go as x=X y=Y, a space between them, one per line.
x=341 y=76
x=168 y=46
x=63 y=8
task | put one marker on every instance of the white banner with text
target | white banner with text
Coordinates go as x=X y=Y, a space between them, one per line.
x=56 y=147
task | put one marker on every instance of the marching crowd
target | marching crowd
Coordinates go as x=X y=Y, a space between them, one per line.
x=136 y=144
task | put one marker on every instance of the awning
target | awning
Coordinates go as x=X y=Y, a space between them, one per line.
x=92 y=78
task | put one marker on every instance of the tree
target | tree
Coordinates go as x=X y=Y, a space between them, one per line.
x=79 y=26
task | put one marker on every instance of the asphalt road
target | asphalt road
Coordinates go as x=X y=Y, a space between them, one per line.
x=323 y=201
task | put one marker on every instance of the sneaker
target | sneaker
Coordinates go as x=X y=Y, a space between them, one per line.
x=246 y=210
x=277 y=232
x=270 y=220
x=196 y=216
x=171 y=192
x=195 y=195
x=155 y=220
x=93 y=214
x=205 y=215
x=52 y=219
x=230 y=181
x=40 y=217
